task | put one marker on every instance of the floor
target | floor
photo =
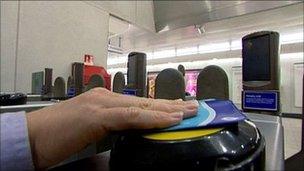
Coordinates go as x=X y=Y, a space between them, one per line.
x=292 y=136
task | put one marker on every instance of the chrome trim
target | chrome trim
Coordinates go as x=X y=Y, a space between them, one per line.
x=255 y=83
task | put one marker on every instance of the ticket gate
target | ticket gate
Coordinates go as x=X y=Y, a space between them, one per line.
x=261 y=73
x=118 y=82
x=59 y=88
x=212 y=82
x=239 y=147
x=231 y=147
x=170 y=84
x=95 y=81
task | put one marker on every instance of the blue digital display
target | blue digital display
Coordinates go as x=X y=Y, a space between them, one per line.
x=260 y=100
x=131 y=92
x=71 y=92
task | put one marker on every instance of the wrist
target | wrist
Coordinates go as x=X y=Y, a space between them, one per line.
x=31 y=134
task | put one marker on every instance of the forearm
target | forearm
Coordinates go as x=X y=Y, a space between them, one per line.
x=58 y=132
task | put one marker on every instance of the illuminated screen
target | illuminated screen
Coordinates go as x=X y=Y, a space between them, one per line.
x=256 y=59
x=190 y=81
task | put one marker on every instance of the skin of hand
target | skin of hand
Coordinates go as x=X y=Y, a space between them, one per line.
x=63 y=129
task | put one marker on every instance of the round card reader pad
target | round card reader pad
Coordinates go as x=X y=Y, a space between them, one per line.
x=236 y=147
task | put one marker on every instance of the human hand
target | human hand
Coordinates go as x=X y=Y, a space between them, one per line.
x=58 y=131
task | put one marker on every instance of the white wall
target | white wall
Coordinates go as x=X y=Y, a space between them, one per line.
x=287 y=83
x=51 y=34
x=9 y=13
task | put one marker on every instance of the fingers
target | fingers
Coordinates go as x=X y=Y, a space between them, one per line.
x=122 y=118
x=189 y=108
x=109 y=100
x=178 y=102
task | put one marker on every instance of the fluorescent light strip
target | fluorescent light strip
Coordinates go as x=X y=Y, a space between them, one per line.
x=292 y=38
x=236 y=45
x=196 y=64
x=208 y=48
x=117 y=60
x=187 y=51
x=164 y=53
x=292 y=55
x=149 y=55
x=214 y=47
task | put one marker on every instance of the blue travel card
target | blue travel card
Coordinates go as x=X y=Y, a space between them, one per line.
x=210 y=113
